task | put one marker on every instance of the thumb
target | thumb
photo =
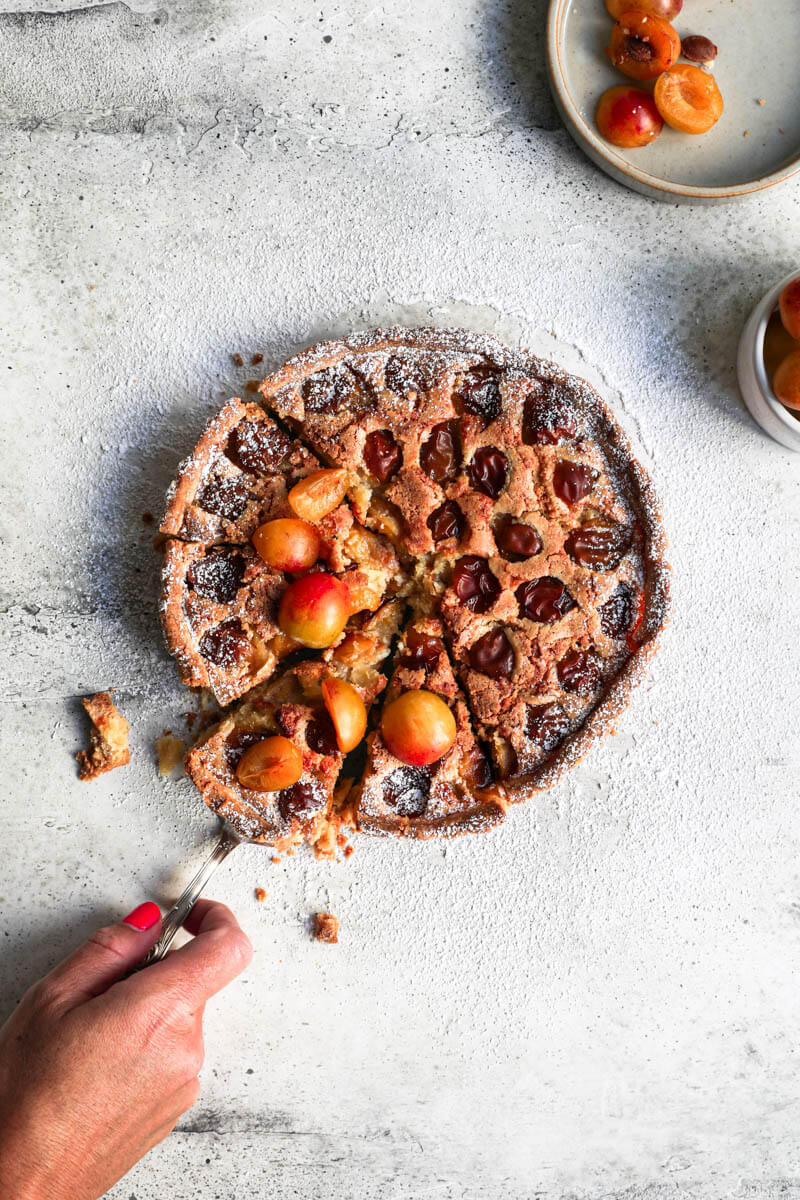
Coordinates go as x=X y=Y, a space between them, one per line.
x=105 y=957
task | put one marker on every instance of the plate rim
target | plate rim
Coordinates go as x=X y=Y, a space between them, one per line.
x=618 y=167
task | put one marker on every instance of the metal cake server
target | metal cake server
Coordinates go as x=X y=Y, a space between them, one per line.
x=227 y=841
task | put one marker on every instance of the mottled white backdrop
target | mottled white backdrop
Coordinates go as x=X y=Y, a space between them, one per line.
x=600 y=998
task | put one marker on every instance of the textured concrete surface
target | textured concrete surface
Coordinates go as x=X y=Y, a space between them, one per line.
x=600 y=998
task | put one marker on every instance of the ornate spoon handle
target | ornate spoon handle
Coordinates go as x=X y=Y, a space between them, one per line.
x=226 y=842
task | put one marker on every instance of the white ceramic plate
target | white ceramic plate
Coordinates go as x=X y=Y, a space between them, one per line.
x=759 y=53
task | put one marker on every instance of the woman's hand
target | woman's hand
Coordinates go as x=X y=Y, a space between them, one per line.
x=95 y=1069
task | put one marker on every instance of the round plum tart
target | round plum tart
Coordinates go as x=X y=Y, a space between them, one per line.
x=431 y=569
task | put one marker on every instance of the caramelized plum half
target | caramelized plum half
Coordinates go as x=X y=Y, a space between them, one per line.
x=597 y=547
x=225 y=645
x=257 y=447
x=493 y=655
x=218 y=576
x=546 y=725
x=572 y=481
x=225 y=498
x=488 y=471
x=382 y=455
x=578 y=672
x=474 y=583
x=544 y=600
x=440 y=455
x=478 y=393
x=517 y=541
x=447 y=521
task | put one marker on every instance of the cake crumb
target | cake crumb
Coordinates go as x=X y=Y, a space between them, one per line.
x=746 y=133
x=260 y=895
x=326 y=928
x=147 y=517
x=237 y=358
x=256 y=359
x=252 y=385
x=170 y=751
x=762 y=103
x=108 y=738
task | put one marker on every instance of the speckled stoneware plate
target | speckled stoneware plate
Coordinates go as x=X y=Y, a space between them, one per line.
x=752 y=147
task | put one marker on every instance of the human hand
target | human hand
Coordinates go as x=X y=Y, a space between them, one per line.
x=96 y=1069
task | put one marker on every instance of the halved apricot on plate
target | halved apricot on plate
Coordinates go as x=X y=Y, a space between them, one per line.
x=627 y=116
x=642 y=46
x=688 y=99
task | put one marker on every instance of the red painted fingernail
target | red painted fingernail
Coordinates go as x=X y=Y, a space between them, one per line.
x=143 y=917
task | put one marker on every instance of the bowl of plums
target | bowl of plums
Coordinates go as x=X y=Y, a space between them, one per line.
x=769 y=362
x=682 y=100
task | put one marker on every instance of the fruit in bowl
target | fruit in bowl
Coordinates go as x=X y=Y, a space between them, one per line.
x=646 y=47
x=643 y=46
x=627 y=117
x=789 y=307
x=688 y=98
x=786 y=381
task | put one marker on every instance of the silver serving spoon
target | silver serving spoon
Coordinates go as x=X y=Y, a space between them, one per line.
x=228 y=840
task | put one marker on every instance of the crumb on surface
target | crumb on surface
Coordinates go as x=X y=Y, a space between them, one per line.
x=170 y=750
x=252 y=385
x=237 y=358
x=147 y=517
x=108 y=738
x=260 y=895
x=256 y=359
x=326 y=928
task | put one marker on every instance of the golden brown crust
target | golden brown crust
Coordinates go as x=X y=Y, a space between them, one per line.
x=108 y=738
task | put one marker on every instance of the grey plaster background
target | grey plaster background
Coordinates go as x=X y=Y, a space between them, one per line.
x=599 y=999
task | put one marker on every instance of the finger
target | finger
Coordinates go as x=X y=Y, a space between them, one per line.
x=218 y=952
x=106 y=956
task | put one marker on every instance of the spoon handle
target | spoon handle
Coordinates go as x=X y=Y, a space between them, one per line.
x=172 y=922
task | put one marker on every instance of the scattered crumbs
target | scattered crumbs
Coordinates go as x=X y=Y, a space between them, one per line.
x=781 y=130
x=746 y=133
x=237 y=358
x=762 y=103
x=261 y=895
x=252 y=385
x=170 y=751
x=275 y=858
x=348 y=850
x=326 y=928
x=108 y=738
x=147 y=518
x=259 y=358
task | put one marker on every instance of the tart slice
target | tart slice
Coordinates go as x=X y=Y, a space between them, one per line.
x=452 y=794
x=238 y=476
x=297 y=725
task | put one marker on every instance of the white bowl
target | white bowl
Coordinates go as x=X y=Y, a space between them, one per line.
x=764 y=405
x=754 y=146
